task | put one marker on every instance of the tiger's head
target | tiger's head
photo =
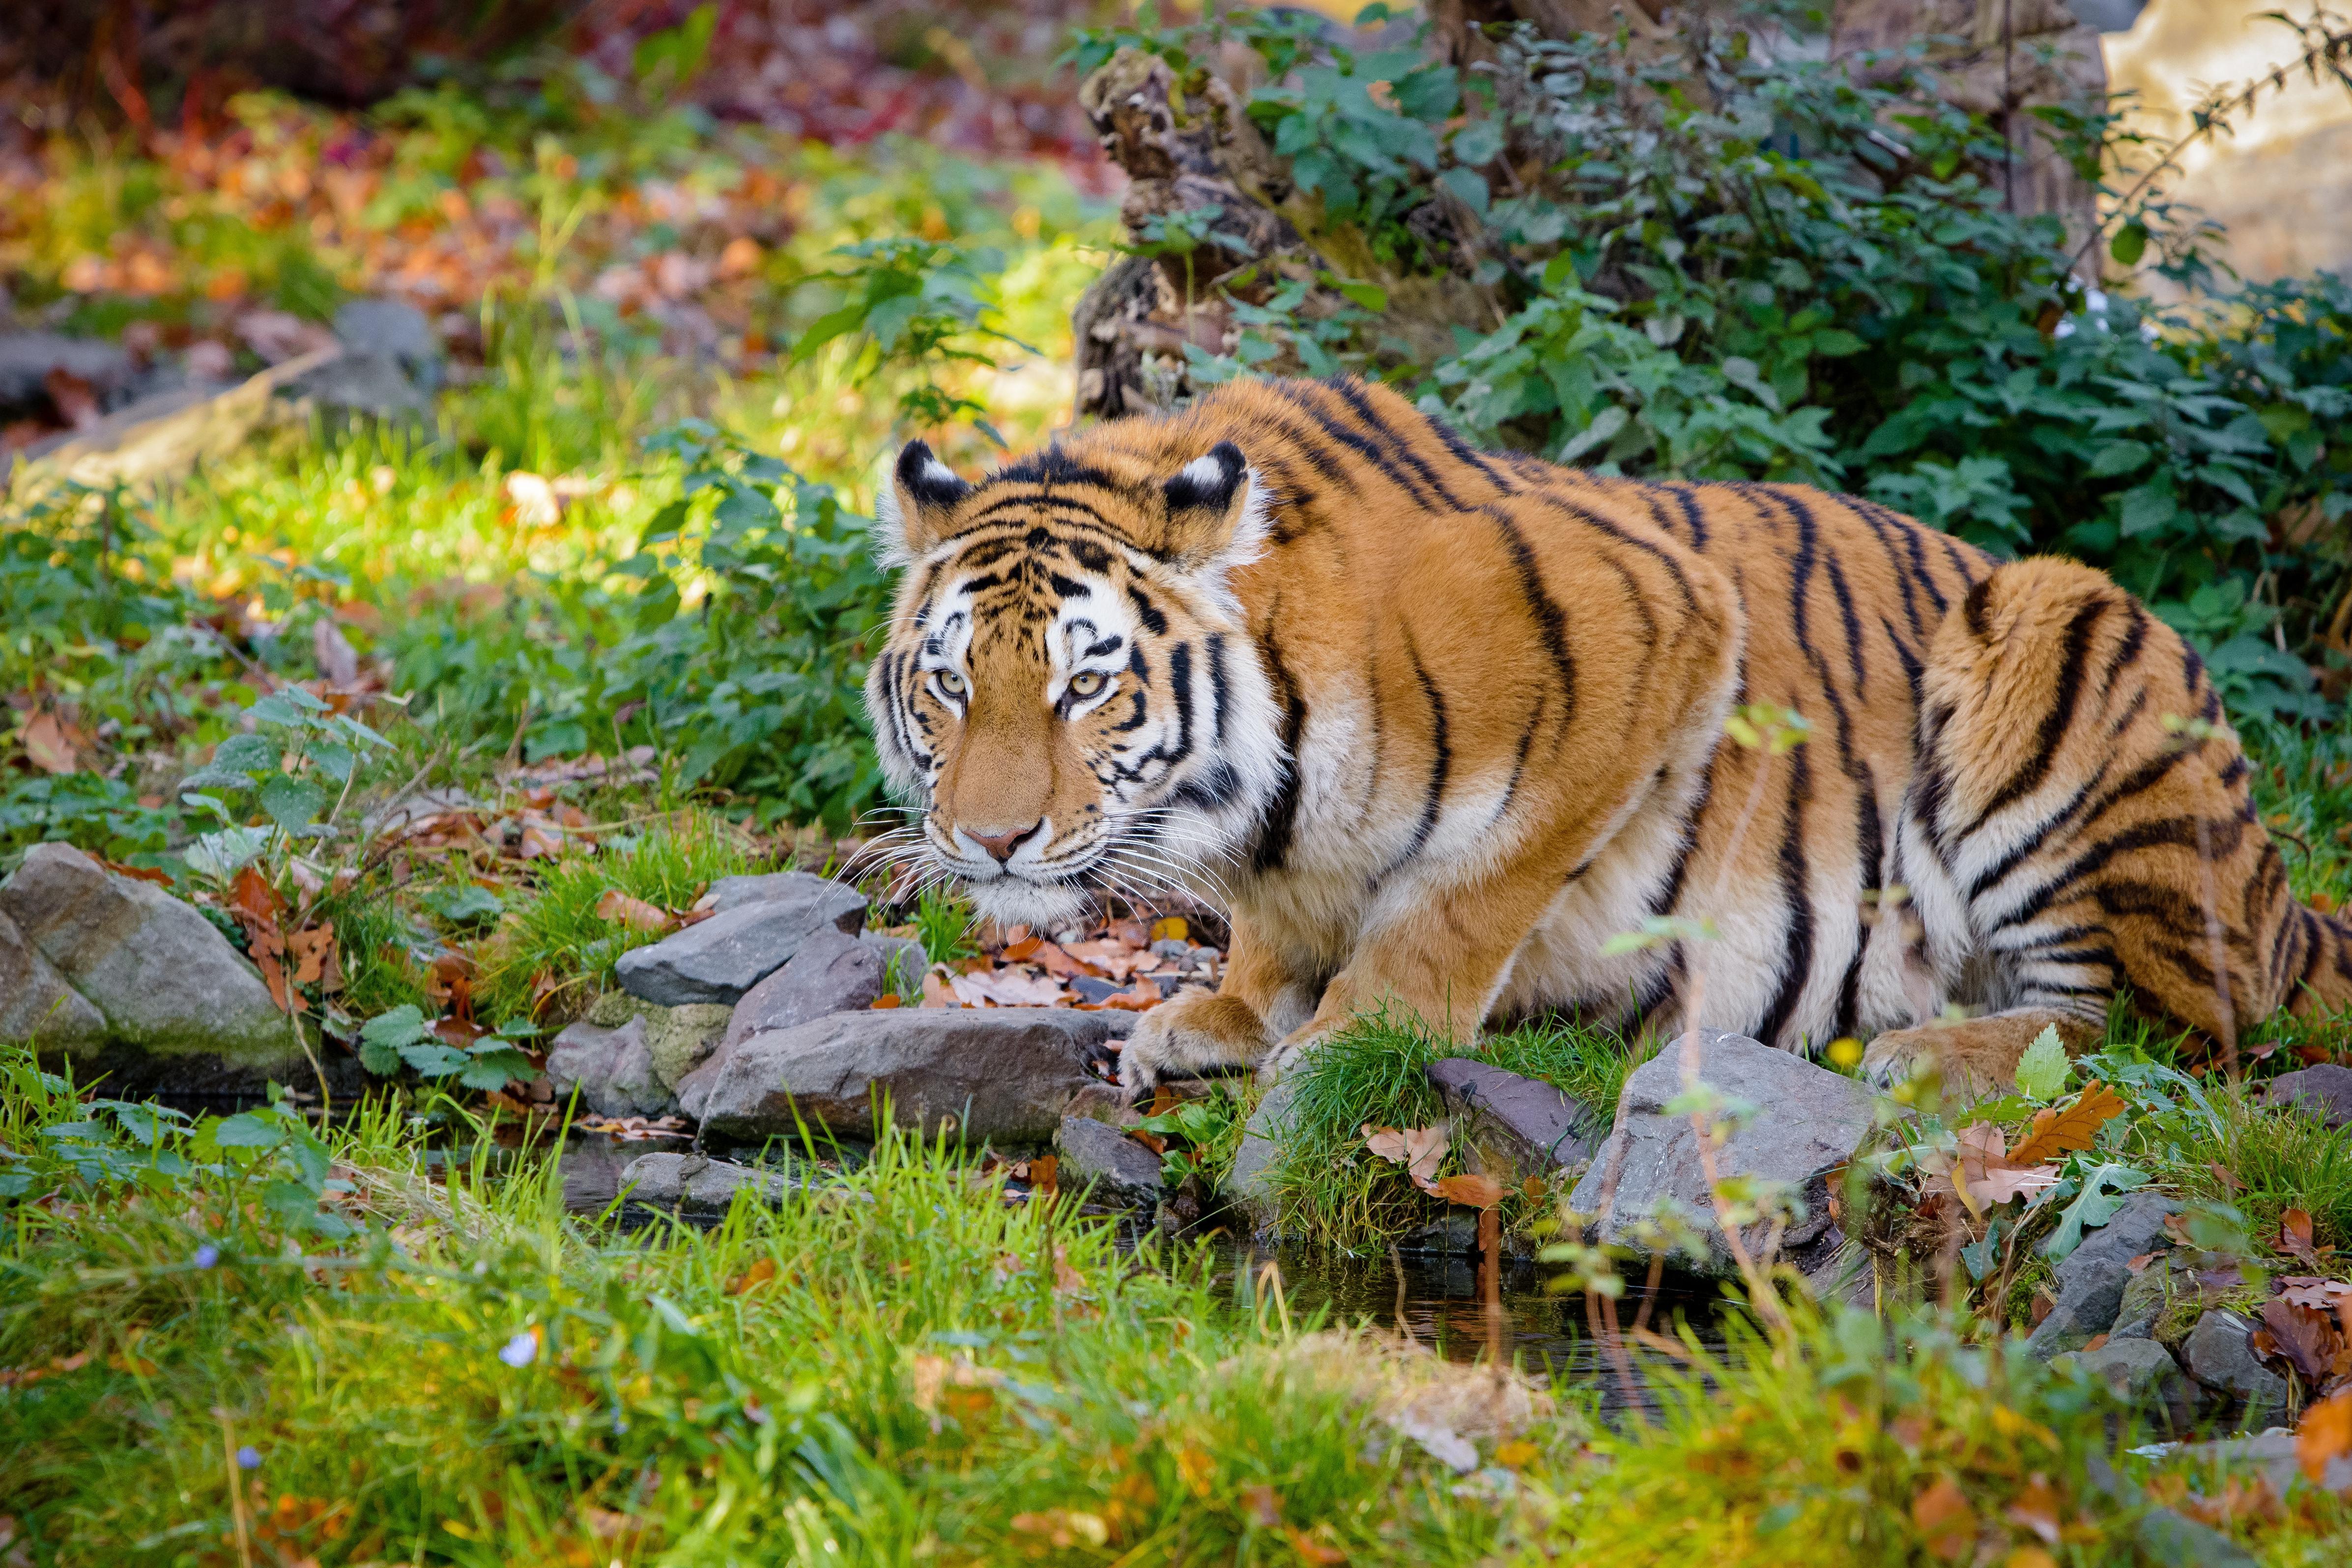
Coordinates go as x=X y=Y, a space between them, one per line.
x=1070 y=695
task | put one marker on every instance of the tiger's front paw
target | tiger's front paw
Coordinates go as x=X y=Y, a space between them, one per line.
x=1972 y=1058
x=1190 y=1035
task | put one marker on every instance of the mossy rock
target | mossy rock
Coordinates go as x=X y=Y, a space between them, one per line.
x=678 y=1039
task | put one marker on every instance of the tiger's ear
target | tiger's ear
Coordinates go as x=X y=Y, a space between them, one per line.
x=1217 y=512
x=911 y=508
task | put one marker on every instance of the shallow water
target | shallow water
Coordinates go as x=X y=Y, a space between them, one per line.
x=1460 y=1307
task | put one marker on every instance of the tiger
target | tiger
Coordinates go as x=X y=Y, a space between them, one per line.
x=1434 y=724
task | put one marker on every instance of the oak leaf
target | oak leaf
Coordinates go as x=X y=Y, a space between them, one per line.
x=1419 y=1149
x=623 y=909
x=2059 y=1131
x=1469 y=1190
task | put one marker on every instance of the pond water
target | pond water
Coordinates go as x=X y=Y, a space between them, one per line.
x=1460 y=1307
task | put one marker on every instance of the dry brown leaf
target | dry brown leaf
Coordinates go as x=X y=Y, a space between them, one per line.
x=2036 y=1508
x=1043 y=1174
x=2309 y=1291
x=2323 y=1434
x=1469 y=1190
x=2294 y=1238
x=315 y=959
x=1947 y=1524
x=2303 y=1337
x=625 y=909
x=1322 y=1553
x=138 y=872
x=1420 y=1150
x=2059 y=1131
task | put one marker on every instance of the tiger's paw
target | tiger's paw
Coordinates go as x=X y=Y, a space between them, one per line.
x=1285 y=1055
x=1972 y=1060
x=1189 y=1035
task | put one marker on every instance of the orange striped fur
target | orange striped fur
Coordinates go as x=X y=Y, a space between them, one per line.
x=1435 y=724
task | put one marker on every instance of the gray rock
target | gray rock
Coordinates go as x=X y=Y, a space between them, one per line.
x=697 y=1184
x=2089 y=1283
x=393 y=332
x=838 y=898
x=679 y=1040
x=35 y=1003
x=1509 y=1126
x=2139 y=1372
x=164 y=979
x=2270 y=1454
x=27 y=358
x=1811 y=1121
x=831 y=974
x=2146 y=1295
x=903 y=960
x=167 y=434
x=2162 y=1534
x=720 y=958
x=2216 y=1356
x=1005 y=1074
x=1098 y=1155
x=611 y=1067
x=366 y=384
x=1250 y=1184
x=2324 y=1091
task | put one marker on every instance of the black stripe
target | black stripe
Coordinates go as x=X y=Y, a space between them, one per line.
x=1540 y=604
x=1441 y=761
x=1350 y=391
x=1280 y=818
x=1362 y=446
x=1218 y=692
x=1798 y=968
x=2061 y=716
x=1154 y=621
x=1852 y=617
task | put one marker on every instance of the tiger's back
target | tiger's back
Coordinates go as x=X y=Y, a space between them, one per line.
x=1494 y=691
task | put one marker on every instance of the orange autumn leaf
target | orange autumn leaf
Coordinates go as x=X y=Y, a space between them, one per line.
x=315 y=959
x=2036 y=1508
x=2058 y=1131
x=2325 y=1434
x=1945 y=1522
x=1310 y=1550
x=623 y=909
x=1470 y=1191
x=752 y=1278
x=1044 y=1171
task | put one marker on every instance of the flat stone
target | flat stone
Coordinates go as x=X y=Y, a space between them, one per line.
x=1094 y=988
x=164 y=436
x=1810 y=1123
x=831 y=974
x=1250 y=1184
x=720 y=958
x=164 y=979
x=611 y=1067
x=1510 y=1126
x=2139 y=1372
x=2089 y=1282
x=2216 y=1356
x=1114 y=1168
x=791 y=887
x=26 y=358
x=35 y=1003
x=1000 y=1074
x=2270 y=1454
x=366 y=384
x=396 y=331
x=697 y=1184
x=2324 y=1091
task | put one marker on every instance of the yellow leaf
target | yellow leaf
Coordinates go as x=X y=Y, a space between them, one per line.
x=1171 y=928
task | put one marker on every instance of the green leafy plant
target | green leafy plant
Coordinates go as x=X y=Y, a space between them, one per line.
x=400 y=1037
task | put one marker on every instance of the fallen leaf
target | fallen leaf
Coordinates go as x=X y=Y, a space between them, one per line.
x=625 y=909
x=46 y=744
x=1018 y=950
x=1419 y=1149
x=1171 y=928
x=2294 y=1238
x=1060 y=964
x=2323 y=1434
x=752 y=1278
x=1008 y=989
x=1516 y=1454
x=1264 y=1508
x=1945 y=1522
x=1469 y=1190
x=315 y=961
x=1322 y=1553
x=884 y=1002
x=937 y=992
x=139 y=873
x=2036 y=1508
x=2064 y=1131
x=2307 y=1290
x=1140 y=997
x=2226 y=1177
x=2303 y=1337
x=1043 y=1172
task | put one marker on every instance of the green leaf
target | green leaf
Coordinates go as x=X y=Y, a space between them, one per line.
x=2120 y=457
x=292 y=802
x=378 y=1057
x=433 y=1060
x=2129 y=244
x=2043 y=1071
x=2102 y=1195
x=248 y=1131
x=466 y=902
x=403 y=1025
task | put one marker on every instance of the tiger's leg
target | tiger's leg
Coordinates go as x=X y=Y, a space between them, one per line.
x=1198 y=1033
x=2078 y=820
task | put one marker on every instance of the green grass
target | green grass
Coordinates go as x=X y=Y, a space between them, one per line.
x=556 y=933
x=2278 y=1160
x=1328 y=1189
x=912 y=1370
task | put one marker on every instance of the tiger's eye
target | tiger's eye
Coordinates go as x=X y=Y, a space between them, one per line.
x=952 y=683
x=1085 y=683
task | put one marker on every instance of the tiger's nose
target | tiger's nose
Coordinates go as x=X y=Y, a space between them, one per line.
x=1001 y=846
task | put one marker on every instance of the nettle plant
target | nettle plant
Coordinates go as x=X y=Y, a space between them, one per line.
x=1716 y=265
x=297 y=766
